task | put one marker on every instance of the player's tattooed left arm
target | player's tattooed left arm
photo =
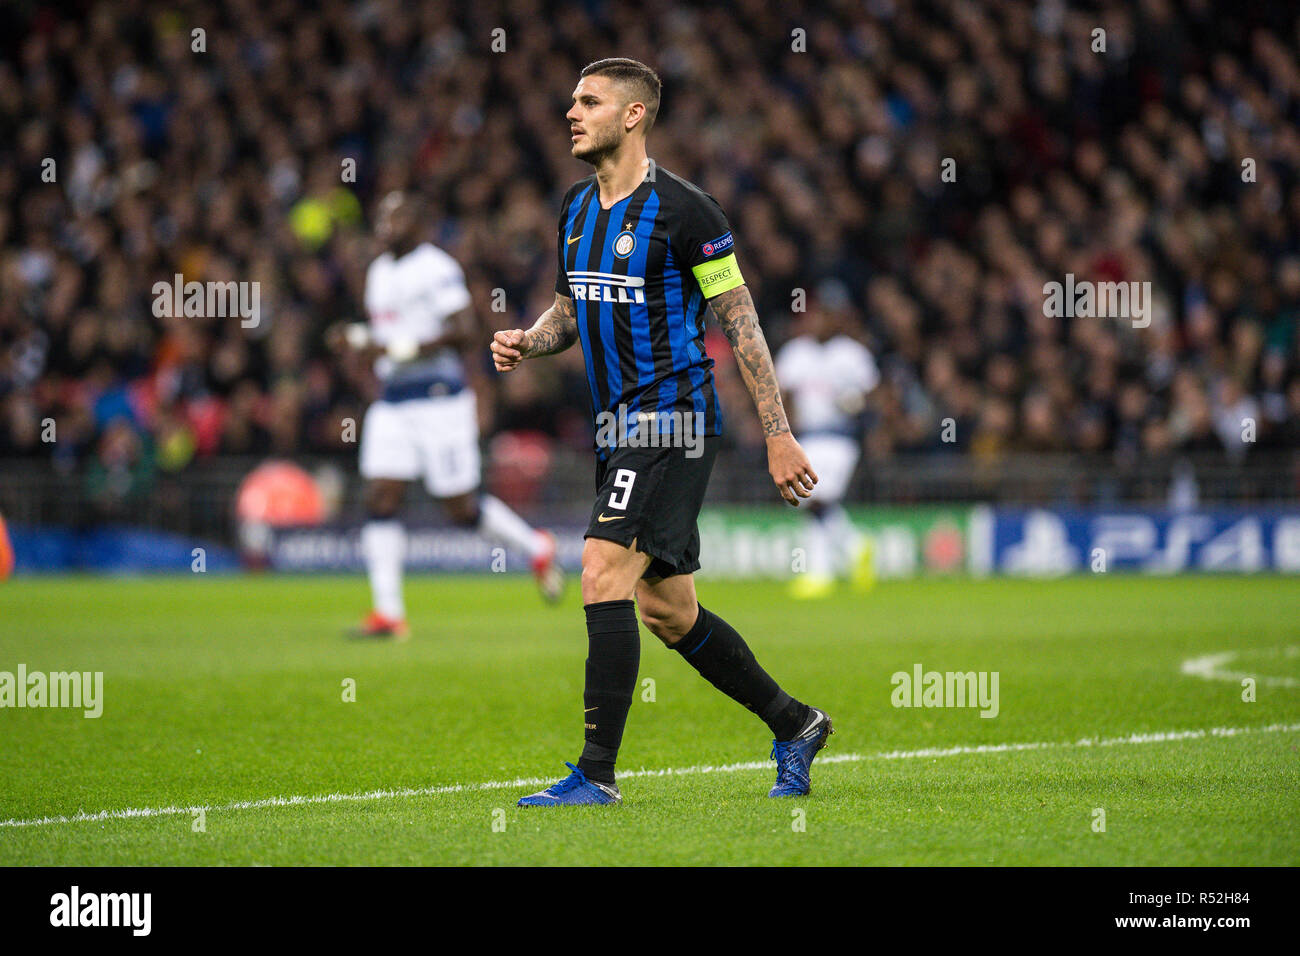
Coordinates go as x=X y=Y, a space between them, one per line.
x=739 y=322
x=789 y=467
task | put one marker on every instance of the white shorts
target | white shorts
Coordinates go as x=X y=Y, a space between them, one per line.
x=833 y=458
x=433 y=438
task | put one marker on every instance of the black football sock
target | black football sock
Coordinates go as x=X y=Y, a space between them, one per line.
x=613 y=656
x=723 y=658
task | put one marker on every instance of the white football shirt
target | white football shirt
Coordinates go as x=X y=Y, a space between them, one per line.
x=411 y=298
x=827 y=382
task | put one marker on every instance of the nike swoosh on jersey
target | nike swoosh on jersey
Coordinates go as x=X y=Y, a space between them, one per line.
x=574 y=239
x=602 y=517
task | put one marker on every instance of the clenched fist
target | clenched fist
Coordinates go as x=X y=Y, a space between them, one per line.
x=508 y=347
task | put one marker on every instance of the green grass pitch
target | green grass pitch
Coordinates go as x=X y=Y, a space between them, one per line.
x=222 y=691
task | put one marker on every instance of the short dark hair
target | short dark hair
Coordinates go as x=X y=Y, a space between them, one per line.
x=643 y=81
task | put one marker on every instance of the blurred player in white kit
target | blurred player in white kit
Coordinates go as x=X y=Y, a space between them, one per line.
x=425 y=423
x=826 y=376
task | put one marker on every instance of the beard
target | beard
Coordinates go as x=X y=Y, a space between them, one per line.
x=600 y=144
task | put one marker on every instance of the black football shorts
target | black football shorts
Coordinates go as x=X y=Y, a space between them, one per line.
x=653 y=496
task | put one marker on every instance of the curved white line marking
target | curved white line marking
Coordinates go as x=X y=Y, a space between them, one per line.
x=1215 y=667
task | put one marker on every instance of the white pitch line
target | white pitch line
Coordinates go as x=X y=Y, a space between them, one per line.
x=1214 y=667
x=1157 y=737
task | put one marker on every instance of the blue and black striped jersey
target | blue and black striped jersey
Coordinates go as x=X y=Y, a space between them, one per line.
x=640 y=274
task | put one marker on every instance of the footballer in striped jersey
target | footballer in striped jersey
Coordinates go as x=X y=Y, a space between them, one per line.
x=643 y=257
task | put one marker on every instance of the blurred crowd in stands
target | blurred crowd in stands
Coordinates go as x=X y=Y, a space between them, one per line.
x=822 y=128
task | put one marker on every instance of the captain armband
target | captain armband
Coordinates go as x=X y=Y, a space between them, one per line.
x=718 y=276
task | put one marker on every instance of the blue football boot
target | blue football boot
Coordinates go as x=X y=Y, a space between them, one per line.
x=574 y=790
x=794 y=757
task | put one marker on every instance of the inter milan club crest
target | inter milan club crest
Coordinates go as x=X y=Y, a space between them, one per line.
x=624 y=243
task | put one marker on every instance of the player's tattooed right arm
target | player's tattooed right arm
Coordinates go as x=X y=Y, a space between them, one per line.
x=554 y=331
